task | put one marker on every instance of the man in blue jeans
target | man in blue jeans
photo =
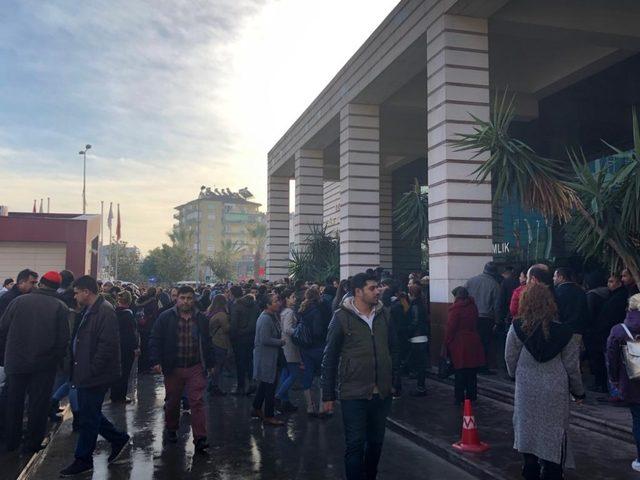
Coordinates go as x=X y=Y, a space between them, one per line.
x=362 y=345
x=96 y=366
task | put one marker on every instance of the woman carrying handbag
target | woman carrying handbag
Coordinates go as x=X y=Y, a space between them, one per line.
x=623 y=367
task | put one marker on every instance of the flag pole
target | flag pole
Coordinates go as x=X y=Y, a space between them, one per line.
x=117 y=241
x=100 y=247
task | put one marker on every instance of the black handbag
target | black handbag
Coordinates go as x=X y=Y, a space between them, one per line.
x=445 y=368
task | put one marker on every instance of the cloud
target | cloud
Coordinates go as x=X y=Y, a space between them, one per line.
x=172 y=94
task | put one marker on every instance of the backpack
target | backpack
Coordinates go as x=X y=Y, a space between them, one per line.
x=631 y=355
x=302 y=336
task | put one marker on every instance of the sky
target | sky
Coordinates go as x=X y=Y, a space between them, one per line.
x=171 y=94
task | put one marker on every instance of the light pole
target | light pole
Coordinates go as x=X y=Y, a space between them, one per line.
x=84 y=177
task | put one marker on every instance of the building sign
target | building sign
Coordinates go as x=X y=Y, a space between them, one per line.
x=501 y=248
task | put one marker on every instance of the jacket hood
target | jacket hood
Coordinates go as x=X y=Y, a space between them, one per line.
x=348 y=304
x=602 y=292
x=541 y=348
x=633 y=321
x=246 y=301
x=462 y=303
x=45 y=291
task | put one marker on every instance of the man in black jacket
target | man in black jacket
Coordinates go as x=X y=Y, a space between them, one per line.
x=34 y=335
x=96 y=365
x=571 y=300
x=361 y=343
x=25 y=282
x=244 y=315
x=178 y=345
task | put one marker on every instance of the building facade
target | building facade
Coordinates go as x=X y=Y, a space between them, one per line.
x=216 y=217
x=49 y=241
x=390 y=113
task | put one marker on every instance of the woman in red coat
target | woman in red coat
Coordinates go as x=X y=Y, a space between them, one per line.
x=464 y=345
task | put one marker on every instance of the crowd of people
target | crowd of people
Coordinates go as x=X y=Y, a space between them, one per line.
x=352 y=340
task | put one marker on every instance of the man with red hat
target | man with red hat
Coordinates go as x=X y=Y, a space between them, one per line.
x=34 y=337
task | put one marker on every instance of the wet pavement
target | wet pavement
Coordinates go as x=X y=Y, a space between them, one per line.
x=436 y=422
x=241 y=448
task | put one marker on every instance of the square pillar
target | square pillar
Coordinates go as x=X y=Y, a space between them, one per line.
x=386 y=221
x=460 y=223
x=277 y=227
x=309 y=177
x=360 y=188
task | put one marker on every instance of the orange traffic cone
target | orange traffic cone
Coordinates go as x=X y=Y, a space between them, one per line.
x=470 y=441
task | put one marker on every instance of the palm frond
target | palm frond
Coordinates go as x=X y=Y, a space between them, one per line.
x=518 y=172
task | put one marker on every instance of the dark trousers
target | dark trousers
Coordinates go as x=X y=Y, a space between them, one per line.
x=143 y=361
x=120 y=387
x=597 y=365
x=364 y=427
x=466 y=384
x=635 y=415
x=485 y=330
x=243 y=355
x=419 y=358
x=37 y=386
x=266 y=394
x=538 y=469
x=94 y=423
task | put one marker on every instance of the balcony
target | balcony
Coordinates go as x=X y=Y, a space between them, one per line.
x=240 y=218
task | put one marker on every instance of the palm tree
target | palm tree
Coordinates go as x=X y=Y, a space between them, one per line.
x=601 y=206
x=411 y=215
x=258 y=235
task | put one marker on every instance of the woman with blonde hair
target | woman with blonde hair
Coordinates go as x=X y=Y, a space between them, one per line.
x=629 y=389
x=544 y=357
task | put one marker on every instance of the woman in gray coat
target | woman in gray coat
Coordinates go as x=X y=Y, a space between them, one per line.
x=543 y=355
x=267 y=348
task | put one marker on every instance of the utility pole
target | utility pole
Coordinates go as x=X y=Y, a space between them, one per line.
x=84 y=177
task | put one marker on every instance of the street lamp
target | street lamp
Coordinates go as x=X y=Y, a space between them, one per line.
x=84 y=177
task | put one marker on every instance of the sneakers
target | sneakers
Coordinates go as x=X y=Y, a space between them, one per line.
x=636 y=465
x=78 y=467
x=172 y=436
x=201 y=445
x=117 y=450
x=256 y=413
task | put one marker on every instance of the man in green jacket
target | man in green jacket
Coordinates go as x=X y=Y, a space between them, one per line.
x=360 y=361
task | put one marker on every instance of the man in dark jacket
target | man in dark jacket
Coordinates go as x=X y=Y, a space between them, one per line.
x=485 y=290
x=362 y=345
x=242 y=332
x=25 y=282
x=179 y=344
x=34 y=335
x=571 y=300
x=96 y=365
x=129 y=346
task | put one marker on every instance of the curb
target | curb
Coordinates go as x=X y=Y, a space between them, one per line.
x=443 y=449
x=578 y=419
x=37 y=458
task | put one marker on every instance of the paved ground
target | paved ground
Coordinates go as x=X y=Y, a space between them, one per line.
x=436 y=419
x=241 y=448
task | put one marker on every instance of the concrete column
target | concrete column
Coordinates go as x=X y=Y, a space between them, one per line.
x=309 y=185
x=277 y=227
x=386 y=222
x=331 y=202
x=460 y=209
x=360 y=188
